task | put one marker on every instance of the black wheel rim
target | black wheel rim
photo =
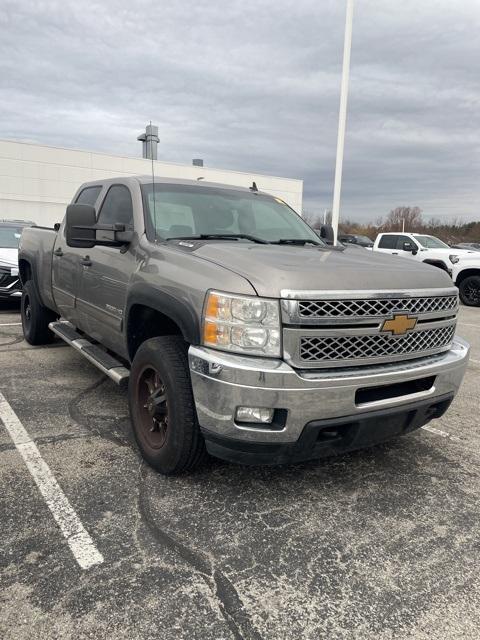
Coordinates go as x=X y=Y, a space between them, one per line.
x=152 y=403
x=27 y=310
x=471 y=291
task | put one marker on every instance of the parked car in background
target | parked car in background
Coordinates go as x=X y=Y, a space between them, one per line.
x=351 y=238
x=10 y=233
x=463 y=265
x=470 y=246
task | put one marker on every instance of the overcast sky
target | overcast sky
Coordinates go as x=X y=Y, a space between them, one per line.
x=255 y=86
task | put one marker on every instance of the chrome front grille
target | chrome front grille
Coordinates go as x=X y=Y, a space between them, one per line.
x=335 y=329
x=345 y=348
x=374 y=308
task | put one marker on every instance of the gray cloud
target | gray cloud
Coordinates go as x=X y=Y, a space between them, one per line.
x=255 y=86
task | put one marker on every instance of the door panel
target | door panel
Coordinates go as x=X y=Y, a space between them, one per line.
x=105 y=274
x=102 y=295
x=401 y=241
x=66 y=276
x=387 y=244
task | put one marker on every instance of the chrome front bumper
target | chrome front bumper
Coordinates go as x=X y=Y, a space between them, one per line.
x=221 y=382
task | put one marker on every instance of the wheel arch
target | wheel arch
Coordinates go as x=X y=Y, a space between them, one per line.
x=25 y=270
x=466 y=273
x=153 y=313
x=440 y=264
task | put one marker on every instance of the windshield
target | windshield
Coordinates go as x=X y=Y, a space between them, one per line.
x=10 y=237
x=430 y=242
x=189 y=211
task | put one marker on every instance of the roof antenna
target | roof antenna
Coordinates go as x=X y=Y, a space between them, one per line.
x=153 y=191
x=254 y=187
x=200 y=178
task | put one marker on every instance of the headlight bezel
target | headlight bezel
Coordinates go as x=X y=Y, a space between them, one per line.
x=224 y=327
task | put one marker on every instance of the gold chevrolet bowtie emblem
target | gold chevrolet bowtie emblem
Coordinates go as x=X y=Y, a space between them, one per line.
x=399 y=324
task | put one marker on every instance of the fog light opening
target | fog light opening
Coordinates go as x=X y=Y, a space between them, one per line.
x=254 y=415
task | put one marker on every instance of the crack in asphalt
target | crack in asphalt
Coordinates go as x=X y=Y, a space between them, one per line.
x=54 y=439
x=87 y=421
x=33 y=348
x=230 y=604
x=16 y=338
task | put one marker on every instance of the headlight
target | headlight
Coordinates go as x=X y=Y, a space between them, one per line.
x=454 y=259
x=242 y=324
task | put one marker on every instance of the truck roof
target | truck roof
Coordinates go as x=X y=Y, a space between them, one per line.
x=147 y=179
x=395 y=233
x=16 y=223
x=404 y=233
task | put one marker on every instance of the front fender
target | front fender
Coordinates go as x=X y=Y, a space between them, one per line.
x=160 y=300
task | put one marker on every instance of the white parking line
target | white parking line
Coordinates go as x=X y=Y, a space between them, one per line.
x=11 y=324
x=78 y=539
x=438 y=432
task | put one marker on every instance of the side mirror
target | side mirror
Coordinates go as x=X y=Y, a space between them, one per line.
x=80 y=221
x=409 y=246
x=82 y=230
x=326 y=233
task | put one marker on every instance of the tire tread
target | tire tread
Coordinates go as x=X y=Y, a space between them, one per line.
x=173 y=351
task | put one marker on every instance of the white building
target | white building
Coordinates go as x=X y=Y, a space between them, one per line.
x=37 y=182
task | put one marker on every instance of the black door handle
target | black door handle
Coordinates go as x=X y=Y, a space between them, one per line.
x=86 y=262
x=58 y=252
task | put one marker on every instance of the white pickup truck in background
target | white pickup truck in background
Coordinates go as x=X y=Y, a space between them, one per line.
x=461 y=264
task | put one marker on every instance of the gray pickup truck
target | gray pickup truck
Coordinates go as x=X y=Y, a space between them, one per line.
x=239 y=332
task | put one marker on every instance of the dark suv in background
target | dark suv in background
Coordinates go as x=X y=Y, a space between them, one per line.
x=351 y=238
x=10 y=233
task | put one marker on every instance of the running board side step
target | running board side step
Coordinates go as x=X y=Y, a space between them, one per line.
x=95 y=354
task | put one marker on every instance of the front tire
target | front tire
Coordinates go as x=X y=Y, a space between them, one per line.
x=35 y=317
x=162 y=407
x=470 y=291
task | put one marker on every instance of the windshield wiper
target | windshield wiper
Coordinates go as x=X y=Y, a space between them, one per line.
x=298 y=241
x=221 y=236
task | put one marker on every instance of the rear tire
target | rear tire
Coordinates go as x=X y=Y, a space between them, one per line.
x=470 y=291
x=162 y=407
x=35 y=317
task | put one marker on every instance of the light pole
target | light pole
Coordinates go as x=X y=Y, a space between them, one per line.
x=342 y=119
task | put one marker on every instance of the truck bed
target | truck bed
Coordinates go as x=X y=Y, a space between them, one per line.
x=36 y=247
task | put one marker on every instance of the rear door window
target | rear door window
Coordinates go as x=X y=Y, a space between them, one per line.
x=117 y=208
x=388 y=242
x=88 y=195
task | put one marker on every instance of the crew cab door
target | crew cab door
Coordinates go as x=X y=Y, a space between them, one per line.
x=406 y=247
x=398 y=245
x=105 y=274
x=387 y=244
x=66 y=271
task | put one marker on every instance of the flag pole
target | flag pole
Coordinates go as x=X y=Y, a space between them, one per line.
x=342 y=119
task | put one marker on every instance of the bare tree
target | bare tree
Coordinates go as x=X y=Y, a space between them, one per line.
x=316 y=219
x=408 y=218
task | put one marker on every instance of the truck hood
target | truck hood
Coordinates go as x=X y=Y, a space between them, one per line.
x=272 y=269
x=8 y=257
x=443 y=254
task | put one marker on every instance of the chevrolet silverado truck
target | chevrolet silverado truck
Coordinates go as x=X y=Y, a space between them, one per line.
x=238 y=331
x=462 y=264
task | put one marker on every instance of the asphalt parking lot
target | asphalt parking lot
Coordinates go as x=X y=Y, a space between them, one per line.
x=380 y=544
